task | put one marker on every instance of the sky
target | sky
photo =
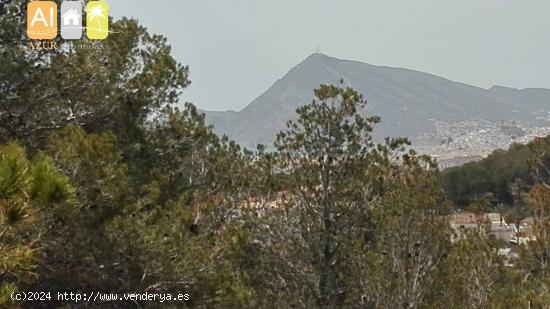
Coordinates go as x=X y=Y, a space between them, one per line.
x=237 y=49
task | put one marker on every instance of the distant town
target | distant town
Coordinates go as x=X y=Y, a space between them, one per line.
x=472 y=140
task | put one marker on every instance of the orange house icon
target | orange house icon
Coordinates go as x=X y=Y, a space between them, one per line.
x=42 y=20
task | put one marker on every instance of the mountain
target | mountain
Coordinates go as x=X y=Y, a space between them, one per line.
x=407 y=101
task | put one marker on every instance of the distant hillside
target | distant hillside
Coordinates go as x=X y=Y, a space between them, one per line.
x=406 y=100
x=504 y=176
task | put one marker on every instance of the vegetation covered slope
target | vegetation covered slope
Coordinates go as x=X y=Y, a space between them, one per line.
x=504 y=177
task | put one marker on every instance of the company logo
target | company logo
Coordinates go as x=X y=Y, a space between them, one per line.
x=42 y=20
x=97 y=20
x=71 y=20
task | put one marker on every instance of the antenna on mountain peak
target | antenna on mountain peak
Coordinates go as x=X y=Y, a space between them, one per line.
x=318 y=51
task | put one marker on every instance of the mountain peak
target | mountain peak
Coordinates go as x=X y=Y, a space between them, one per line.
x=407 y=101
x=318 y=55
x=315 y=58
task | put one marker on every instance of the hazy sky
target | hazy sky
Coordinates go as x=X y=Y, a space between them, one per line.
x=237 y=49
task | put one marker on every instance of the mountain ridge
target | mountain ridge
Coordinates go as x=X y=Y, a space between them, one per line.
x=407 y=100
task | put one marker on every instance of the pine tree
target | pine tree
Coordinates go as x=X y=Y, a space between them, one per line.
x=336 y=174
x=33 y=195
